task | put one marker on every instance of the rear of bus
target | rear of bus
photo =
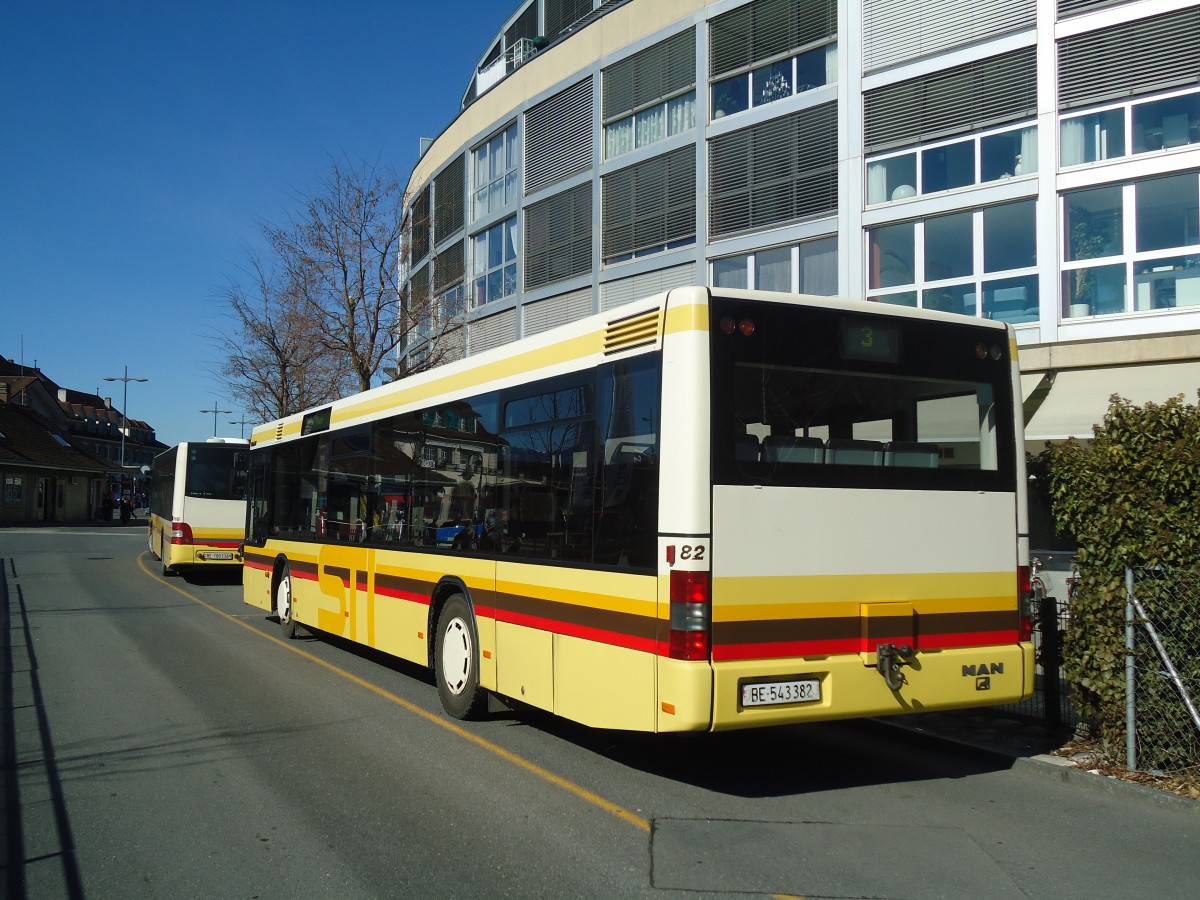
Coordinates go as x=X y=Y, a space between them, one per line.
x=868 y=551
x=198 y=519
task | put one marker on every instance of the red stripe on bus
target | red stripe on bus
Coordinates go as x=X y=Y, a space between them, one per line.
x=727 y=652
x=401 y=595
x=612 y=638
x=968 y=639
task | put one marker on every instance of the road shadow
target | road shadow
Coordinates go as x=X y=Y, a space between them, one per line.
x=766 y=762
x=783 y=760
x=208 y=577
x=21 y=689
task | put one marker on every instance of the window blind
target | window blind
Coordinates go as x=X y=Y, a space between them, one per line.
x=562 y=14
x=626 y=290
x=448 y=200
x=547 y=314
x=650 y=204
x=418 y=290
x=766 y=28
x=967 y=98
x=1068 y=8
x=525 y=26
x=420 y=225
x=651 y=74
x=448 y=267
x=558 y=136
x=484 y=334
x=896 y=31
x=777 y=171
x=558 y=237
x=1129 y=59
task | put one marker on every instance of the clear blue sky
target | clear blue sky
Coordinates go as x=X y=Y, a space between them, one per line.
x=143 y=145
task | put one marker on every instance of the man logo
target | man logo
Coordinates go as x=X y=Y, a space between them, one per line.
x=983 y=683
x=985 y=669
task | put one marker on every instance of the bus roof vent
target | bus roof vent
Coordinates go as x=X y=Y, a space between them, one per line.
x=637 y=330
x=279 y=432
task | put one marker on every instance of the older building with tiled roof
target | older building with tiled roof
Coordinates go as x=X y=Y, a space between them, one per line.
x=90 y=420
x=47 y=476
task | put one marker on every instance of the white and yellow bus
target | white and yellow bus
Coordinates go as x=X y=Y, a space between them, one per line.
x=706 y=510
x=198 y=504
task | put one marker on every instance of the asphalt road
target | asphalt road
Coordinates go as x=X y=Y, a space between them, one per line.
x=160 y=740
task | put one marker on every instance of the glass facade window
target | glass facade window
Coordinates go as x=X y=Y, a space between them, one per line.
x=954 y=164
x=947 y=167
x=1148 y=126
x=1093 y=220
x=651 y=125
x=1093 y=137
x=1166 y=212
x=1009 y=241
x=452 y=304
x=774 y=81
x=494 y=262
x=806 y=268
x=495 y=174
x=948 y=246
x=892 y=255
x=979 y=262
x=1132 y=247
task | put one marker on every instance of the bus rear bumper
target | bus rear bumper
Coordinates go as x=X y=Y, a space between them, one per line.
x=932 y=680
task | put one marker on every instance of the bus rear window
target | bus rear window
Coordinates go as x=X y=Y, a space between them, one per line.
x=812 y=396
x=216 y=472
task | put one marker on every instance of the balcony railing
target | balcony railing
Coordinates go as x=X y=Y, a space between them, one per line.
x=514 y=56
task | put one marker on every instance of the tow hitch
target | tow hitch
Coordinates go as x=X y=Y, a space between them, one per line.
x=889 y=660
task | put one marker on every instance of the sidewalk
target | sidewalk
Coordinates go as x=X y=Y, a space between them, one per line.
x=1031 y=748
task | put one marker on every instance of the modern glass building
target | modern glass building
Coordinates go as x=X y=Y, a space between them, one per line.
x=1034 y=161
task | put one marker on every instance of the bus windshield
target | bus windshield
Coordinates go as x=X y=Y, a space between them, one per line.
x=829 y=397
x=216 y=472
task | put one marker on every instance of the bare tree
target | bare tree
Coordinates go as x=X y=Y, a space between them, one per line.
x=345 y=257
x=275 y=363
x=330 y=309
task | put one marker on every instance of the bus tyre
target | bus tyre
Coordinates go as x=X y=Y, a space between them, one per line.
x=456 y=661
x=283 y=603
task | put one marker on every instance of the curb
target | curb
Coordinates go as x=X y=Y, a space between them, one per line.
x=1059 y=769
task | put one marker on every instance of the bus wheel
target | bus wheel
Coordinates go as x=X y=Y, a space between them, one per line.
x=283 y=603
x=456 y=661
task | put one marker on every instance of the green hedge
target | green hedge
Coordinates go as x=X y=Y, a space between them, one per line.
x=1131 y=497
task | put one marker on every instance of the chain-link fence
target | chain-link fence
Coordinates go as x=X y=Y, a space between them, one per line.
x=1163 y=671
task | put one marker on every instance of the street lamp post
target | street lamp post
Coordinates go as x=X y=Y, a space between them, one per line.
x=242 y=423
x=124 y=379
x=216 y=412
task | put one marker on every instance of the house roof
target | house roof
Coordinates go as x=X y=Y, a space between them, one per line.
x=29 y=439
x=30 y=386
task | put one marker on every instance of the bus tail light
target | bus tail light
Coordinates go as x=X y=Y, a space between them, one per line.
x=691 y=614
x=1025 y=603
x=181 y=533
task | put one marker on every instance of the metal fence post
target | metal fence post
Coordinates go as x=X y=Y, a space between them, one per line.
x=1130 y=702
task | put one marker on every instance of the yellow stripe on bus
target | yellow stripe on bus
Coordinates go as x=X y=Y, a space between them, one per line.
x=960 y=587
x=689 y=317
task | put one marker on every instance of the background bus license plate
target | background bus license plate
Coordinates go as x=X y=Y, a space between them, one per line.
x=771 y=692
x=220 y=554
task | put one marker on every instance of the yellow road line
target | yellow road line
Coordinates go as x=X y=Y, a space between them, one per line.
x=495 y=749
